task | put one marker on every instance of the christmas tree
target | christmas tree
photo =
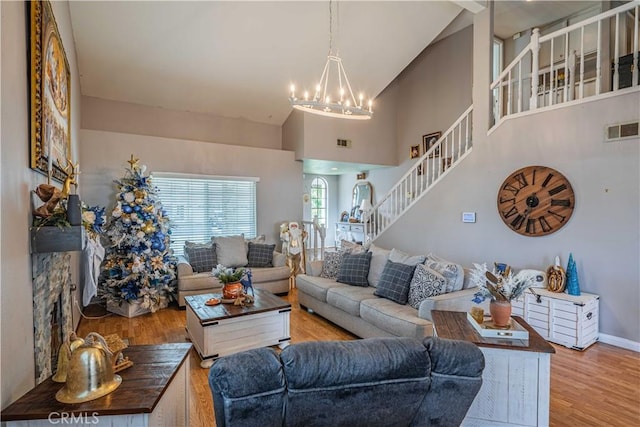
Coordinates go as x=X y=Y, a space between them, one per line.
x=138 y=265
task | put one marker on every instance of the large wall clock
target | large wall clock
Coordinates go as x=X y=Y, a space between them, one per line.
x=535 y=201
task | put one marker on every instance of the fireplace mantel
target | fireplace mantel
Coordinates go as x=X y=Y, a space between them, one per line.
x=57 y=239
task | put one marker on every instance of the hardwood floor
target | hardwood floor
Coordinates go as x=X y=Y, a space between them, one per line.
x=597 y=387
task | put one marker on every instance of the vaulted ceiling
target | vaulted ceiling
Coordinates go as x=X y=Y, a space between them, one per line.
x=237 y=58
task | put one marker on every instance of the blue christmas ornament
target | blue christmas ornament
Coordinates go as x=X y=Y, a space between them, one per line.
x=136 y=208
x=127 y=209
x=155 y=245
x=573 y=286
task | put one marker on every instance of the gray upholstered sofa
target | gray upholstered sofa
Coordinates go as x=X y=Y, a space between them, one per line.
x=358 y=310
x=272 y=276
x=370 y=382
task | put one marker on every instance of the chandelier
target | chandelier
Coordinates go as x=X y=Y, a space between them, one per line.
x=332 y=96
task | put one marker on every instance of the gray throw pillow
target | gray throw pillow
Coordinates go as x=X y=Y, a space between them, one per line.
x=231 y=251
x=260 y=255
x=394 y=282
x=379 y=258
x=425 y=283
x=201 y=256
x=354 y=269
x=397 y=255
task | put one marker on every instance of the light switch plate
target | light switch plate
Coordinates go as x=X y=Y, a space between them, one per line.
x=468 y=217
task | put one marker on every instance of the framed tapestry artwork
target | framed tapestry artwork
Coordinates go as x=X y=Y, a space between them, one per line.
x=428 y=141
x=50 y=86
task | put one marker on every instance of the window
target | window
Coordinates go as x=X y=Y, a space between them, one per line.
x=201 y=206
x=319 y=200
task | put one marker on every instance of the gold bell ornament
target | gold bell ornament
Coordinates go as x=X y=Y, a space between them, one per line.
x=90 y=372
x=64 y=354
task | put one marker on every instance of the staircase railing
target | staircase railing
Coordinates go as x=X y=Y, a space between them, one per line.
x=453 y=146
x=316 y=233
x=567 y=64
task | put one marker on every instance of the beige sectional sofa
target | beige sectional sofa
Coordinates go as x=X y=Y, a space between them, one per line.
x=358 y=310
x=273 y=278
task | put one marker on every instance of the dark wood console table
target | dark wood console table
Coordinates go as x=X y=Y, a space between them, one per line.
x=154 y=392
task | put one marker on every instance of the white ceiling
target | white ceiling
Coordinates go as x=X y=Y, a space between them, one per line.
x=237 y=59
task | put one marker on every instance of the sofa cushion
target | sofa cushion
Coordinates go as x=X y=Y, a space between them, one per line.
x=260 y=255
x=379 y=258
x=231 y=251
x=269 y=274
x=316 y=287
x=399 y=320
x=355 y=269
x=331 y=264
x=199 y=282
x=404 y=258
x=425 y=283
x=452 y=272
x=348 y=298
x=394 y=282
x=201 y=256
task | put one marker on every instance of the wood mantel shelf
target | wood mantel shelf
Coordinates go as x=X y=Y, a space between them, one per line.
x=56 y=239
x=143 y=385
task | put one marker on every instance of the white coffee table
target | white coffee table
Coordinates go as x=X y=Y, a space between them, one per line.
x=224 y=329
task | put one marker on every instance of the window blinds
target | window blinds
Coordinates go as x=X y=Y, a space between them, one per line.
x=201 y=206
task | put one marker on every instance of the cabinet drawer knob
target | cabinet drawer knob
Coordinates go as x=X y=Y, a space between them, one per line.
x=589 y=315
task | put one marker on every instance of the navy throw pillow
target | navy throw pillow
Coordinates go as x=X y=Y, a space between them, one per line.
x=354 y=269
x=260 y=255
x=394 y=282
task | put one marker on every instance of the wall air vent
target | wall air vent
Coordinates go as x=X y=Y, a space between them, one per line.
x=344 y=143
x=621 y=131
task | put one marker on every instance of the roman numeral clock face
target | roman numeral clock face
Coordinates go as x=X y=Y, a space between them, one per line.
x=535 y=201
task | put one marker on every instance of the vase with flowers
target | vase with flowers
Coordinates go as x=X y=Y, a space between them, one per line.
x=502 y=287
x=230 y=279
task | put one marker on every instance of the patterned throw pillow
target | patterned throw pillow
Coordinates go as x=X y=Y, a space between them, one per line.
x=260 y=255
x=331 y=264
x=425 y=283
x=351 y=247
x=394 y=282
x=355 y=269
x=201 y=256
x=453 y=273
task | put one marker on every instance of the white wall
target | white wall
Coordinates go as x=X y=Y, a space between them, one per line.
x=604 y=231
x=372 y=141
x=104 y=158
x=115 y=116
x=602 y=234
x=18 y=180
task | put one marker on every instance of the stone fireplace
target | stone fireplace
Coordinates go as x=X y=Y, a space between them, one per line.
x=52 y=310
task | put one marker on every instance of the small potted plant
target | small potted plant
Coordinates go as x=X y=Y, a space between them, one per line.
x=502 y=287
x=230 y=279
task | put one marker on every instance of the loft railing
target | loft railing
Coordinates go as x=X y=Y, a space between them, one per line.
x=572 y=63
x=316 y=233
x=453 y=146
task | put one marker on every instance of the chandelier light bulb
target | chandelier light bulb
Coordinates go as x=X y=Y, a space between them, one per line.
x=306 y=95
x=293 y=90
x=370 y=105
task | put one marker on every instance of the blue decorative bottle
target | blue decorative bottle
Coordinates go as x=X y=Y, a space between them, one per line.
x=573 y=286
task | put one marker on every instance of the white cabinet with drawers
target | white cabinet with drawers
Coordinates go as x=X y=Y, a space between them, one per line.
x=350 y=231
x=564 y=319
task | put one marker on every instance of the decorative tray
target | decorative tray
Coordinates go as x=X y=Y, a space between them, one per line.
x=488 y=330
